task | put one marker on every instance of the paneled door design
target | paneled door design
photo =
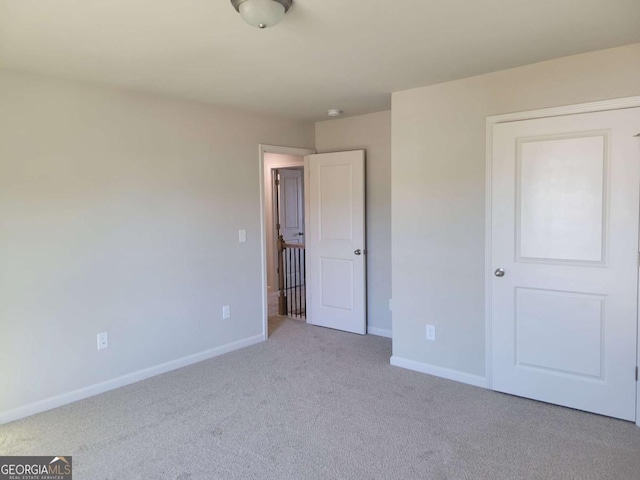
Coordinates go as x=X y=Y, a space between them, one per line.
x=565 y=196
x=336 y=241
x=291 y=204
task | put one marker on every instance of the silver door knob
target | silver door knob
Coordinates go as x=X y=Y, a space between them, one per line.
x=499 y=272
x=358 y=252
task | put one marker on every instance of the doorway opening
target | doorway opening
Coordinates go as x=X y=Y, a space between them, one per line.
x=334 y=270
x=283 y=211
x=289 y=236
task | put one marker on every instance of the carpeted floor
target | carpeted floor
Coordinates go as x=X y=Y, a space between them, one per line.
x=313 y=403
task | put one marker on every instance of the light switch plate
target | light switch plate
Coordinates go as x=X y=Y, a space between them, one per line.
x=242 y=236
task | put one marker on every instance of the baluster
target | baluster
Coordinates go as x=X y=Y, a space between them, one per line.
x=297 y=282
x=282 y=299
x=304 y=284
x=289 y=296
x=299 y=287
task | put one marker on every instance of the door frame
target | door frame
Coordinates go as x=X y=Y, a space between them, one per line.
x=591 y=107
x=262 y=149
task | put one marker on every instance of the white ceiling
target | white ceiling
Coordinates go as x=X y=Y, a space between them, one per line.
x=326 y=53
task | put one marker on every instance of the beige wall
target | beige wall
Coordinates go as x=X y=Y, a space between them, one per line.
x=373 y=133
x=438 y=193
x=120 y=213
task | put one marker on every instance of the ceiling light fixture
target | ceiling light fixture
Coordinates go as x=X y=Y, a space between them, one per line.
x=262 y=13
x=334 y=112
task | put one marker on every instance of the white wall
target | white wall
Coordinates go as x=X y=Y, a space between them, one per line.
x=120 y=212
x=373 y=133
x=438 y=193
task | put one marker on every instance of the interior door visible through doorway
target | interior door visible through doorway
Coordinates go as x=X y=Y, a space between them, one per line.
x=290 y=183
x=565 y=196
x=335 y=235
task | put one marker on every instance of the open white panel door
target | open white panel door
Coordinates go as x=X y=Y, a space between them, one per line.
x=336 y=241
x=565 y=255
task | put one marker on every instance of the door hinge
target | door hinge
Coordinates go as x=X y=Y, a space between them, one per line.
x=277 y=182
x=636 y=374
x=278 y=228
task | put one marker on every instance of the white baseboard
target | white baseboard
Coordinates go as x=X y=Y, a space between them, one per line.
x=380 y=332
x=441 y=372
x=90 y=391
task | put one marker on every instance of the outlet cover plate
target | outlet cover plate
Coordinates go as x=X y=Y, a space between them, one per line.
x=103 y=340
x=431 y=333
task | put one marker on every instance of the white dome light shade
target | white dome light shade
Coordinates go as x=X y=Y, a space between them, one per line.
x=262 y=13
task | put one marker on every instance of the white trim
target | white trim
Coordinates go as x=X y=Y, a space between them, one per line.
x=98 y=388
x=591 y=107
x=307 y=188
x=455 y=375
x=295 y=151
x=262 y=149
x=487 y=254
x=380 y=332
x=601 y=106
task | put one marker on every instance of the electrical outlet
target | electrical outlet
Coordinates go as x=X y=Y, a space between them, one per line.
x=226 y=312
x=431 y=333
x=242 y=236
x=390 y=305
x=103 y=340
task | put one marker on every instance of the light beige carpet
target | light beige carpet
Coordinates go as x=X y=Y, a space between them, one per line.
x=313 y=403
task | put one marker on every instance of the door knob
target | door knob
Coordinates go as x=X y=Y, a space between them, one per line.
x=499 y=272
x=358 y=252
x=300 y=233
